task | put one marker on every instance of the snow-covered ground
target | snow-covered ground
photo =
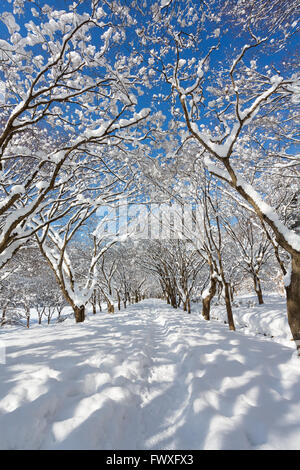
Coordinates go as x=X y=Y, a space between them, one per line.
x=268 y=319
x=149 y=377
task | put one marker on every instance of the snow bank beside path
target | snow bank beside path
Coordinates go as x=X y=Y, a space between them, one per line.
x=149 y=377
x=269 y=319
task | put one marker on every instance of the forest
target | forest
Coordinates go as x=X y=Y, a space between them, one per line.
x=149 y=161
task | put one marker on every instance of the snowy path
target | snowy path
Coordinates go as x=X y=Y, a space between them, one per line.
x=147 y=378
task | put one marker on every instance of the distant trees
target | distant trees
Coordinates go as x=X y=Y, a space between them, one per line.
x=29 y=284
x=177 y=266
x=253 y=246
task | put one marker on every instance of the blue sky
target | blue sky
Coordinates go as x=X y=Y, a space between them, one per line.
x=231 y=43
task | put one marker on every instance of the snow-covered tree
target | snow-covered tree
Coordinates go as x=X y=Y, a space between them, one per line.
x=238 y=99
x=253 y=247
x=64 y=98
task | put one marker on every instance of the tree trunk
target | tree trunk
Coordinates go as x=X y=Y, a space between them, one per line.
x=3 y=314
x=27 y=309
x=260 y=296
x=206 y=308
x=293 y=301
x=231 y=293
x=99 y=304
x=220 y=290
x=79 y=313
x=206 y=301
x=93 y=302
x=173 y=301
x=110 y=307
x=257 y=287
x=228 y=308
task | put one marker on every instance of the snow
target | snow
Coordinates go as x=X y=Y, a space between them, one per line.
x=276 y=80
x=41 y=185
x=221 y=150
x=57 y=157
x=268 y=319
x=75 y=58
x=287 y=277
x=246 y=115
x=181 y=63
x=200 y=70
x=205 y=293
x=148 y=377
x=9 y=20
x=17 y=189
x=291 y=237
x=165 y=3
x=211 y=166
